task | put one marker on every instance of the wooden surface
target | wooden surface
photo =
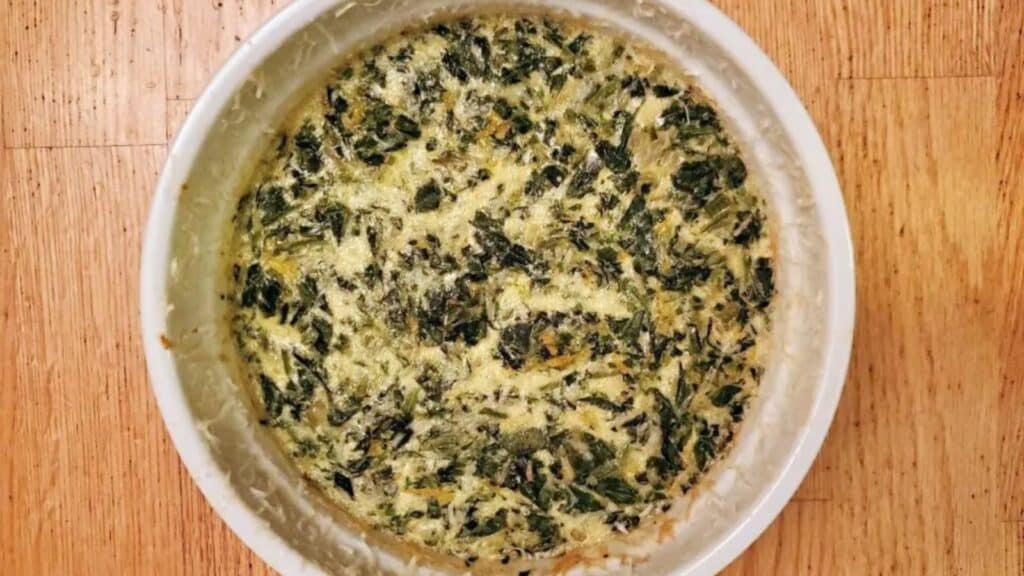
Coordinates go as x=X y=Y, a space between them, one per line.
x=921 y=104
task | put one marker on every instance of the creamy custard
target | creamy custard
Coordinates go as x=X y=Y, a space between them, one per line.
x=501 y=286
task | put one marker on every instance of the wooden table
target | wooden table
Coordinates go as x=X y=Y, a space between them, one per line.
x=921 y=104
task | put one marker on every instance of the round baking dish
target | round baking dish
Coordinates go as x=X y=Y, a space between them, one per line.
x=240 y=469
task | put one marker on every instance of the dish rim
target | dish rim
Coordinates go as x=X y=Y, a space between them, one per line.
x=156 y=257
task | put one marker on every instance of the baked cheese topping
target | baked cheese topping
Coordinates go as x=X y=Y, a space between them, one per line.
x=501 y=286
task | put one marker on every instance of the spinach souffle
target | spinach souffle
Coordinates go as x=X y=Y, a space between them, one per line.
x=501 y=286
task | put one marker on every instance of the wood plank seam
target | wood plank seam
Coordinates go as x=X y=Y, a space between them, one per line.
x=164 y=7
x=87 y=146
x=920 y=77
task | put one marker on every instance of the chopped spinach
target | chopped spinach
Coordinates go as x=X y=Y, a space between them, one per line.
x=732 y=169
x=261 y=289
x=343 y=483
x=663 y=91
x=548 y=535
x=684 y=277
x=583 y=501
x=474 y=528
x=748 y=227
x=602 y=402
x=724 y=395
x=272 y=203
x=464 y=250
x=704 y=452
x=549 y=176
x=697 y=178
x=764 y=282
x=469 y=57
x=617 y=490
x=334 y=216
x=584 y=176
x=428 y=197
x=308 y=149
x=514 y=345
x=452 y=314
x=272 y=401
x=526 y=441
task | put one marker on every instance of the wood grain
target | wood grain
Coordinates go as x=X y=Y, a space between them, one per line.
x=923 y=195
x=808 y=54
x=177 y=111
x=207 y=545
x=1013 y=536
x=82 y=72
x=91 y=472
x=920 y=102
x=201 y=34
x=792 y=545
x=1010 y=259
x=913 y=38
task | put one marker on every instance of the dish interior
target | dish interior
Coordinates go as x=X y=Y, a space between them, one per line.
x=263 y=479
x=501 y=286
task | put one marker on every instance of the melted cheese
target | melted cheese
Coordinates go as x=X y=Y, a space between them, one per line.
x=501 y=286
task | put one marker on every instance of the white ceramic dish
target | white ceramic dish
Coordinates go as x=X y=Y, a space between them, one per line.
x=241 y=472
